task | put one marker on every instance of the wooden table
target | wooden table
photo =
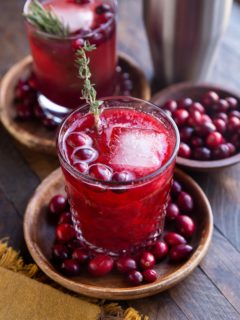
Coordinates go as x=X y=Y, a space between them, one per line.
x=213 y=289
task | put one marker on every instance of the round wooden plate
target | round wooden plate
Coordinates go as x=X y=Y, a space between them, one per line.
x=32 y=133
x=39 y=236
x=195 y=91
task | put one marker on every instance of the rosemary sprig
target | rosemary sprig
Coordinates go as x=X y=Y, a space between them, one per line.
x=45 y=20
x=88 y=91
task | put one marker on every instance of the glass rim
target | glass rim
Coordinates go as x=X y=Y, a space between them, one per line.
x=81 y=176
x=74 y=36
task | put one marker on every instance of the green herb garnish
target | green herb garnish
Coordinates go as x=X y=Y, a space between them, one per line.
x=45 y=20
x=88 y=92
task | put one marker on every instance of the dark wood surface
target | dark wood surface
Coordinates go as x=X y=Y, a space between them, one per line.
x=213 y=290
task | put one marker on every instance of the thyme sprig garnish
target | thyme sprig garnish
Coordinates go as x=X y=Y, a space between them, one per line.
x=45 y=20
x=88 y=91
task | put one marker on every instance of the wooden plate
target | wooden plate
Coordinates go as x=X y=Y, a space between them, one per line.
x=39 y=236
x=195 y=91
x=32 y=133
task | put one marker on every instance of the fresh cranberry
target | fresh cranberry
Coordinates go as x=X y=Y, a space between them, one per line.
x=176 y=189
x=32 y=81
x=221 y=152
x=23 y=112
x=184 y=150
x=195 y=118
x=235 y=140
x=196 y=106
x=222 y=105
x=147 y=260
x=135 y=277
x=65 y=232
x=220 y=115
x=196 y=142
x=100 y=265
x=100 y=172
x=220 y=125
x=22 y=90
x=172 y=211
x=214 y=139
x=86 y=154
x=149 y=275
x=205 y=128
x=126 y=264
x=74 y=244
x=70 y=267
x=231 y=147
x=202 y=154
x=81 y=167
x=123 y=176
x=233 y=103
x=60 y=252
x=180 y=252
x=233 y=124
x=180 y=116
x=185 y=103
x=185 y=202
x=185 y=225
x=103 y=8
x=210 y=98
x=160 y=250
x=80 y=255
x=170 y=105
x=57 y=204
x=186 y=134
x=174 y=239
x=205 y=119
x=234 y=113
x=65 y=217
x=79 y=139
x=77 y=44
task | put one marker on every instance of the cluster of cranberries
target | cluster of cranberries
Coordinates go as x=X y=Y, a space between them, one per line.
x=72 y=258
x=210 y=129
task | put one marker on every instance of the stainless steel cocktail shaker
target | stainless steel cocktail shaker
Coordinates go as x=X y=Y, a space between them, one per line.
x=183 y=36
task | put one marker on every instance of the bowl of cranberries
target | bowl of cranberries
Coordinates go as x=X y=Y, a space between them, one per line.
x=51 y=239
x=208 y=118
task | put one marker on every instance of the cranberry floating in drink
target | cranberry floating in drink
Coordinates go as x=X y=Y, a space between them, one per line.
x=54 y=44
x=119 y=201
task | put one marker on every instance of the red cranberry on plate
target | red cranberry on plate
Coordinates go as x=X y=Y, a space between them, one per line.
x=176 y=189
x=147 y=260
x=185 y=202
x=57 y=204
x=149 y=275
x=70 y=267
x=214 y=139
x=60 y=252
x=65 y=217
x=100 y=265
x=180 y=116
x=185 y=103
x=170 y=105
x=196 y=106
x=65 y=232
x=80 y=255
x=126 y=264
x=185 y=226
x=174 y=239
x=233 y=124
x=135 y=277
x=184 y=150
x=220 y=125
x=222 y=151
x=210 y=98
x=180 y=252
x=172 y=211
x=232 y=102
x=197 y=142
x=202 y=153
x=186 y=133
x=160 y=250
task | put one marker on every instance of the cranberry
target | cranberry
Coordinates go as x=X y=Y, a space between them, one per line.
x=233 y=124
x=65 y=232
x=210 y=98
x=231 y=148
x=103 y=8
x=100 y=265
x=123 y=176
x=235 y=140
x=172 y=211
x=77 y=44
x=205 y=128
x=220 y=125
x=174 y=239
x=135 y=277
x=197 y=142
x=23 y=112
x=180 y=252
x=214 y=139
x=180 y=116
x=232 y=102
x=176 y=189
x=60 y=252
x=80 y=255
x=147 y=260
x=126 y=264
x=70 y=267
x=185 y=225
x=32 y=81
x=22 y=90
x=185 y=202
x=234 y=113
x=202 y=153
x=74 y=244
x=170 y=105
x=100 y=172
x=57 y=204
x=205 y=119
x=78 y=139
x=65 y=217
x=149 y=275
x=160 y=250
x=196 y=106
x=222 y=105
x=220 y=115
x=195 y=118
x=184 y=150
x=86 y=154
x=38 y=112
x=81 y=167
x=185 y=103
x=222 y=151
x=186 y=134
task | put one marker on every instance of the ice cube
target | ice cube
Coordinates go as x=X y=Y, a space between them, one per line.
x=140 y=150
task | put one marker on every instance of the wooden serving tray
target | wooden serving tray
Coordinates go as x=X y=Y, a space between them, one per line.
x=32 y=133
x=39 y=236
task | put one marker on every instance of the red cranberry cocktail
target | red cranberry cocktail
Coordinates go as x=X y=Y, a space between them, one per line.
x=54 y=56
x=118 y=174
